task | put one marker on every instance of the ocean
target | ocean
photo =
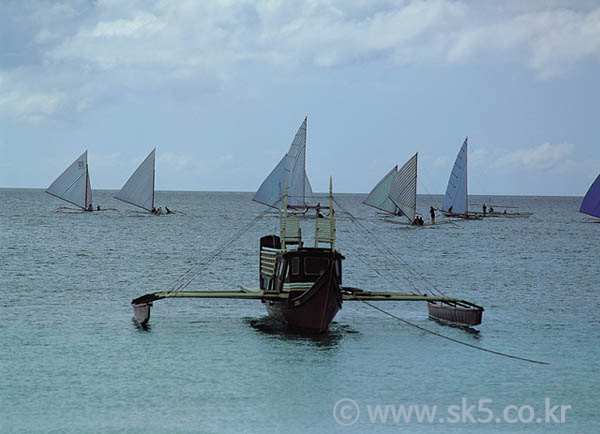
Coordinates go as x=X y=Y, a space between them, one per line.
x=74 y=361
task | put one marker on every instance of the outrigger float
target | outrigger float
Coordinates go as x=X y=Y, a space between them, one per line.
x=301 y=286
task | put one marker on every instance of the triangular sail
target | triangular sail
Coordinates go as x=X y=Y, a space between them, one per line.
x=403 y=190
x=591 y=202
x=456 y=192
x=73 y=185
x=139 y=188
x=293 y=168
x=379 y=196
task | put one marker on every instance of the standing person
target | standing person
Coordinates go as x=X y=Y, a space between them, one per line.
x=432 y=214
x=484 y=209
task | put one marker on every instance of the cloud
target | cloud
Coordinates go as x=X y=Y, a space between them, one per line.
x=26 y=102
x=541 y=157
x=75 y=54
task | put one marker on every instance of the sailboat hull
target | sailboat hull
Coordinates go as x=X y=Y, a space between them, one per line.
x=311 y=311
x=455 y=314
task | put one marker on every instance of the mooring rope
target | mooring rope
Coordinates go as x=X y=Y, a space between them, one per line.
x=187 y=277
x=498 y=353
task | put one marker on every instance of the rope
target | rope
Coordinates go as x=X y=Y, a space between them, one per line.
x=386 y=250
x=498 y=353
x=186 y=278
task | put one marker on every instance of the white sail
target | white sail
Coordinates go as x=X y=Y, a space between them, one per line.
x=73 y=185
x=456 y=199
x=379 y=197
x=139 y=188
x=403 y=190
x=293 y=168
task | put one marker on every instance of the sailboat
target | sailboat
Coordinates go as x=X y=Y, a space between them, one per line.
x=139 y=188
x=301 y=286
x=73 y=185
x=591 y=202
x=291 y=169
x=456 y=199
x=396 y=192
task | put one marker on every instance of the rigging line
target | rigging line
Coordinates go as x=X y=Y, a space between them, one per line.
x=359 y=255
x=411 y=275
x=498 y=353
x=186 y=278
x=386 y=250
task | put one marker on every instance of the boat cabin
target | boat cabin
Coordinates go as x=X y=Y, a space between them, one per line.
x=294 y=270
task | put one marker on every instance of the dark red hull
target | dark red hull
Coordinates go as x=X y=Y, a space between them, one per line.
x=313 y=310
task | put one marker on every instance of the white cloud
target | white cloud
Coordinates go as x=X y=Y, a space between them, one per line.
x=541 y=157
x=30 y=104
x=88 y=51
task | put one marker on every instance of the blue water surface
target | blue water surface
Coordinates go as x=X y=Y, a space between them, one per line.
x=73 y=361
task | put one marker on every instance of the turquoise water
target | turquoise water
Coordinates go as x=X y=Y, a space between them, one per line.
x=73 y=360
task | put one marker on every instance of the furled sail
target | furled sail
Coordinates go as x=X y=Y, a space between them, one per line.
x=73 y=185
x=139 y=188
x=591 y=202
x=293 y=168
x=379 y=197
x=403 y=190
x=456 y=192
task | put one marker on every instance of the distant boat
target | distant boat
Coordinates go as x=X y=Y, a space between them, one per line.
x=591 y=202
x=139 y=188
x=291 y=169
x=396 y=192
x=73 y=185
x=456 y=199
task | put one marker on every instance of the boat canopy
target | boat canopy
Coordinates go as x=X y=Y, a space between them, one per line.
x=292 y=168
x=456 y=192
x=591 y=202
x=139 y=188
x=403 y=190
x=73 y=185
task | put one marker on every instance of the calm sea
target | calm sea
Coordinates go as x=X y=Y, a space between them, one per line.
x=73 y=361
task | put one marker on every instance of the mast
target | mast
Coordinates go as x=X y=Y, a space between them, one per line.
x=304 y=162
x=466 y=176
x=87 y=182
x=153 y=179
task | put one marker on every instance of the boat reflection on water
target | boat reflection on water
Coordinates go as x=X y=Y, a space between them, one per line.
x=269 y=326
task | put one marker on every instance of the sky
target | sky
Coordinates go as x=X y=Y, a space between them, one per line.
x=220 y=87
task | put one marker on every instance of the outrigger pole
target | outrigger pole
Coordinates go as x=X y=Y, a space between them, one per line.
x=141 y=305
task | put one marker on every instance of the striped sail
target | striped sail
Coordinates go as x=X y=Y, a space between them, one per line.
x=73 y=185
x=379 y=197
x=293 y=168
x=139 y=188
x=591 y=202
x=403 y=190
x=456 y=191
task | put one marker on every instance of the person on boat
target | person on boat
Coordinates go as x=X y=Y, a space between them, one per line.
x=153 y=210
x=484 y=209
x=450 y=209
x=491 y=209
x=432 y=214
x=168 y=210
x=97 y=207
x=159 y=211
x=90 y=207
x=319 y=215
